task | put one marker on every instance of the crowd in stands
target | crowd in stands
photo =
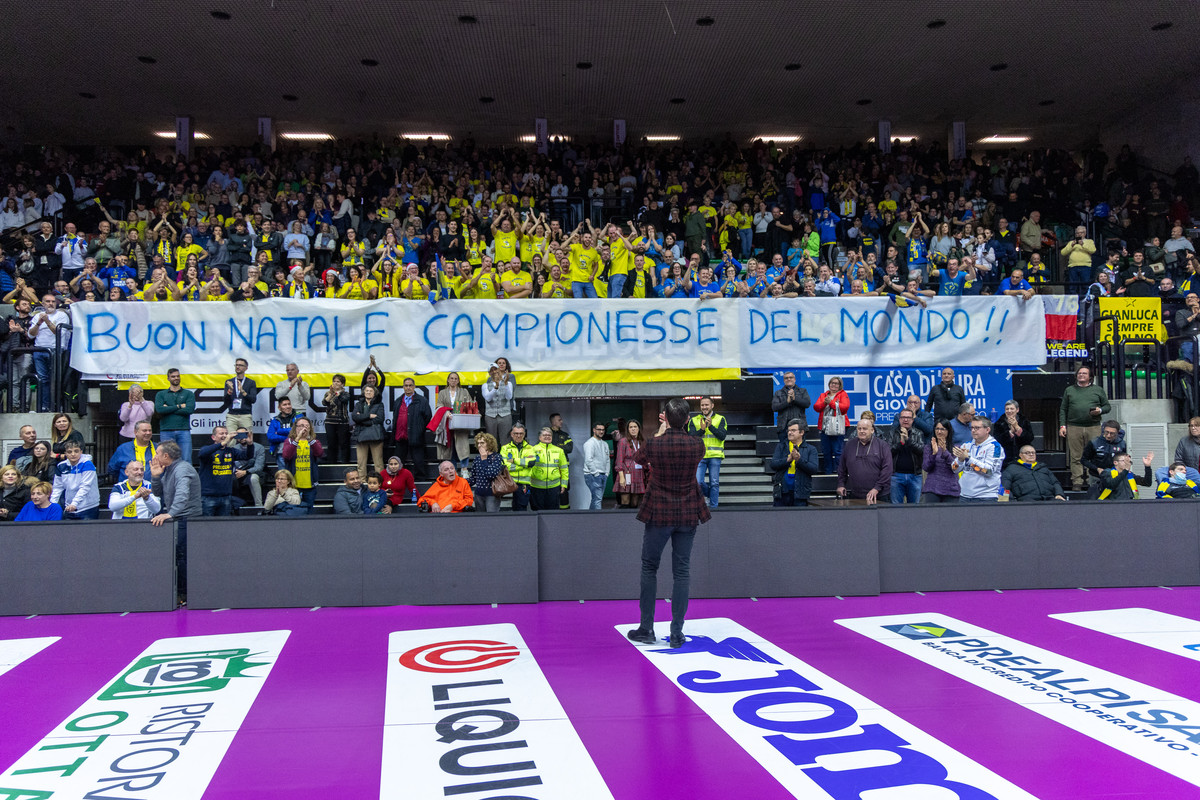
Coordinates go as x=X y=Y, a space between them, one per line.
x=363 y=221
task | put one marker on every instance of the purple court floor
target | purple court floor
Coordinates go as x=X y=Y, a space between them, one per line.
x=551 y=700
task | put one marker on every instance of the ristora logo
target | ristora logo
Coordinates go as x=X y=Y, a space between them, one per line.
x=467 y=655
x=922 y=630
x=181 y=673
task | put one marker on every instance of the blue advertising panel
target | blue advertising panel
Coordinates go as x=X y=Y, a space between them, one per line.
x=885 y=391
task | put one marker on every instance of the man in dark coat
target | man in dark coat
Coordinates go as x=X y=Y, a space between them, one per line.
x=789 y=403
x=1029 y=479
x=671 y=511
x=945 y=398
x=794 y=462
x=410 y=415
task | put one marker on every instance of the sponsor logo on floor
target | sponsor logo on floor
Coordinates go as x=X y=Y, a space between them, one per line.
x=469 y=713
x=815 y=736
x=15 y=651
x=1167 y=632
x=1151 y=725
x=161 y=726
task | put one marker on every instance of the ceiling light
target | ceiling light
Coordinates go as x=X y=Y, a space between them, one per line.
x=171 y=135
x=895 y=138
x=791 y=67
x=369 y=62
x=437 y=137
x=935 y=24
x=662 y=138
x=769 y=138
x=704 y=22
x=307 y=137
x=221 y=15
x=1004 y=140
x=530 y=138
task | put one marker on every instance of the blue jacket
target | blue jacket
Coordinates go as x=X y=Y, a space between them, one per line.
x=827 y=227
x=277 y=431
x=806 y=467
x=123 y=455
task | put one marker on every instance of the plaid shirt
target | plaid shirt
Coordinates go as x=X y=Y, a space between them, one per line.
x=672 y=494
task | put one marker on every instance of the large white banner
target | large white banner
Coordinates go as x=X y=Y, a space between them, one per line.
x=817 y=737
x=1145 y=722
x=469 y=711
x=164 y=723
x=115 y=339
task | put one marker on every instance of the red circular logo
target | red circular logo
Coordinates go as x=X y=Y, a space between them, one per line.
x=459 y=656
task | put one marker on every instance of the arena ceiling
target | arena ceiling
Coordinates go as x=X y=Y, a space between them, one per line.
x=108 y=71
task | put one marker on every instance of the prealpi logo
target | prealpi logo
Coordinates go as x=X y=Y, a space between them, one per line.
x=922 y=630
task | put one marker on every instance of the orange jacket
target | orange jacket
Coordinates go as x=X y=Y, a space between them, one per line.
x=457 y=494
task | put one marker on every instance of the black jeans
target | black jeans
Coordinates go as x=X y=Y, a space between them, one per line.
x=654 y=541
x=415 y=450
x=337 y=435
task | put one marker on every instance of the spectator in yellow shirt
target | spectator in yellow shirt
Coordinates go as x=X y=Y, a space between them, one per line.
x=517 y=283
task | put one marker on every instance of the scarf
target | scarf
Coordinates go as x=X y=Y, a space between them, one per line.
x=131 y=510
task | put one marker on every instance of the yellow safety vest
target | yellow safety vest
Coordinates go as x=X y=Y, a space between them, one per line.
x=519 y=460
x=713 y=447
x=550 y=467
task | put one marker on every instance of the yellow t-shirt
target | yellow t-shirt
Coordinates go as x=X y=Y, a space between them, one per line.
x=506 y=246
x=182 y=253
x=622 y=259
x=556 y=290
x=531 y=246
x=518 y=280
x=638 y=276
x=419 y=288
x=358 y=291
x=190 y=294
x=352 y=255
x=744 y=221
x=583 y=262
x=456 y=283
x=485 y=287
x=710 y=214
x=225 y=296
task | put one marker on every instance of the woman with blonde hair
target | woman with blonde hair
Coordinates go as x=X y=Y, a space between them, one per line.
x=136 y=409
x=284 y=499
x=485 y=470
x=14 y=494
x=452 y=396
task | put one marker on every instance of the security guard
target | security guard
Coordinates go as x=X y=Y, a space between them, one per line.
x=518 y=457
x=548 y=477
x=711 y=428
x=562 y=438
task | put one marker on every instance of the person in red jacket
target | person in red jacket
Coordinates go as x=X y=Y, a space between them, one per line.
x=397 y=482
x=832 y=406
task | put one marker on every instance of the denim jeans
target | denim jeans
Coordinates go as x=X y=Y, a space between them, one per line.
x=712 y=491
x=181 y=438
x=746 y=237
x=87 y=513
x=307 y=498
x=1187 y=350
x=654 y=541
x=583 y=289
x=616 y=284
x=217 y=506
x=595 y=484
x=832 y=448
x=43 y=366
x=905 y=486
x=520 y=498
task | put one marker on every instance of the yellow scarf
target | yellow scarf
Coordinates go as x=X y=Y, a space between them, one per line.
x=303 y=465
x=143 y=454
x=791 y=464
x=131 y=509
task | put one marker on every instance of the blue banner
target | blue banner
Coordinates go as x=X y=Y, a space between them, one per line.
x=886 y=391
